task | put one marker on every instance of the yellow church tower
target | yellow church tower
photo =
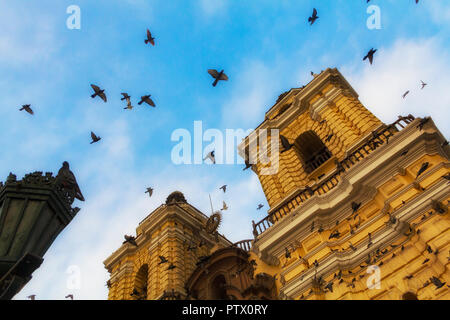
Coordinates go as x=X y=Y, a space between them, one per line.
x=169 y=243
x=358 y=208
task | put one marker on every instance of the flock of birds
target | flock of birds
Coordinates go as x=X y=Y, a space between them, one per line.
x=372 y=258
x=377 y=254
x=70 y=181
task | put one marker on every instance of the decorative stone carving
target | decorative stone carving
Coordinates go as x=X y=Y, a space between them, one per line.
x=269 y=259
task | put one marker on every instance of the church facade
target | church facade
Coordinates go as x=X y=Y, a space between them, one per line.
x=358 y=210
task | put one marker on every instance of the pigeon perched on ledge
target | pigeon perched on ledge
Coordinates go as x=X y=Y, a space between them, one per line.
x=67 y=180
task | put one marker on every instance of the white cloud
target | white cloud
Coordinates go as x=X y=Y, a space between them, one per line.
x=212 y=7
x=401 y=68
x=252 y=92
x=31 y=40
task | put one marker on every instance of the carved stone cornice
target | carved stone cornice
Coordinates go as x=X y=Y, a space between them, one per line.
x=381 y=239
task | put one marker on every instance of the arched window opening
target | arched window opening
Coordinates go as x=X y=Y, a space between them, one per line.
x=218 y=291
x=409 y=296
x=141 y=283
x=313 y=153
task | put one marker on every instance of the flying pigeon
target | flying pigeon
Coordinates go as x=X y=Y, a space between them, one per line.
x=69 y=296
x=67 y=180
x=163 y=259
x=370 y=55
x=225 y=207
x=171 y=267
x=149 y=191
x=259 y=206
x=211 y=156
x=247 y=165
x=95 y=138
x=147 y=100
x=314 y=17
x=423 y=84
x=329 y=138
x=130 y=239
x=98 y=92
x=405 y=94
x=224 y=188
x=27 y=108
x=217 y=76
x=285 y=143
x=127 y=97
x=149 y=38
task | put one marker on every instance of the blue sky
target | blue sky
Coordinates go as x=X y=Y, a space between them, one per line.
x=266 y=47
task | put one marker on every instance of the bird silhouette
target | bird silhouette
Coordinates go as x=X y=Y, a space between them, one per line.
x=69 y=296
x=211 y=157
x=329 y=286
x=423 y=168
x=313 y=17
x=147 y=100
x=217 y=76
x=336 y=234
x=171 y=267
x=27 y=108
x=67 y=180
x=355 y=206
x=125 y=96
x=32 y=297
x=259 y=206
x=285 y=143
x=95 y=138
x=437 y=282
x=405 y=94
x=287 y=254
x=134 y=292
x=423 y=84
x=224 y=188
x=163 y=260
x=224 y=207
x=131 y=240
x=329 y=137
x=98 y=92
x=370 y=55
x=247 y=165
x=149 y=191
x=128 y=99
x=423 y=122
x=149 y=39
